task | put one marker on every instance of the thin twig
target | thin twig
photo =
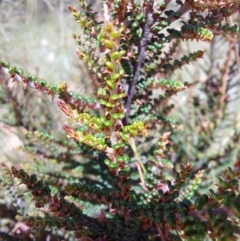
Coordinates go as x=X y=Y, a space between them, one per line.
x=140 y=166
x=160 y=232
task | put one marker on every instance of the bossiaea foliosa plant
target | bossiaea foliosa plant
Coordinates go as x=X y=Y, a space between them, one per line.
x=139 y=197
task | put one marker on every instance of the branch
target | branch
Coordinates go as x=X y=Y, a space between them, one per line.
x=141 y=57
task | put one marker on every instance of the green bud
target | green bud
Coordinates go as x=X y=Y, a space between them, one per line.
x=95 y=123
x=126 y=169
x=108 y=43
x=117 y=97
x=115 y=55
x=135 y=24
x=89 y=24
x=118 y=145
x=19 y=71
x=130 y=129
x=115 y=35
x=110 y=66
x=139 y=125
x=110 y=164
x=33 y=178
x=199 y=203
x=108 y=123
x=123 y=158
x=42 y=82
x=82 y=21
x=101 y=92
x=117 y=115
x=164 y=23
x=157 y=28
x=110 y=84
x=124 y=136
x=115 y=77
x=30 y=77
x=107 y=104
x=83 y=118
x=187 y=202
x=205 y=198
x=158 y=45
x=140 y=17
x=5 y=64
x=12 y=70
x=101 y=147
x=114 y=116
x=53 y=88
x=121 y=71
x=76 y=14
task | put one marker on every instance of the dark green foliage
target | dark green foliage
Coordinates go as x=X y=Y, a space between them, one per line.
x=128 y=169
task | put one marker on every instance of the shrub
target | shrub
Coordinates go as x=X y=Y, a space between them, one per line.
x=132 y=168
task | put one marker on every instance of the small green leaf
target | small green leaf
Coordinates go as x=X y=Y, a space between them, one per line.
x=124 y=136
x=19 y=71
x=12 y=70
x=5 y=64
x=110 y=84
x=102 y=92
x=110 y=66
x=107 y=104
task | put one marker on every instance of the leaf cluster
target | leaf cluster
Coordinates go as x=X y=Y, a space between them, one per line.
x=121 y=181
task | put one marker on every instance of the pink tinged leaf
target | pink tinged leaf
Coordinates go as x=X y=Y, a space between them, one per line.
x=65 y=108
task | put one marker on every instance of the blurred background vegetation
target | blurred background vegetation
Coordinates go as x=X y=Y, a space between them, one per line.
x=37 y=37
